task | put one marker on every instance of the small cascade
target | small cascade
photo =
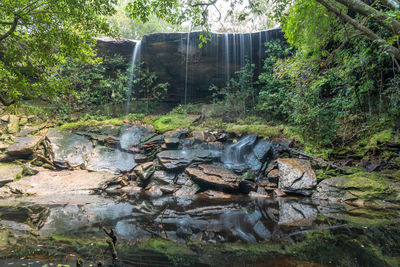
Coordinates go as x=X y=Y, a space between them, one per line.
x=227 y=52
x=135 y=58
x=187 y=66
x=260 y=47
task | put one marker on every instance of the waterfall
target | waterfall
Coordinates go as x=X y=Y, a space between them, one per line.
x=260 y=65
x=251 y=48
x=187 y=66
x=242 y=50
x=227 y=69
x=234 y=52
x=135 y=57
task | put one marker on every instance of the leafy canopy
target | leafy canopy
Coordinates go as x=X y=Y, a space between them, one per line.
x=36 y=36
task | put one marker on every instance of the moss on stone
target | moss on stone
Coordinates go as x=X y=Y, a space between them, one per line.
x=368 y=187
x=262 y=130
x=88 y=123
x=171 y=122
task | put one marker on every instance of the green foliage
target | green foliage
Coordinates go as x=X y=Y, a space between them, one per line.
x=145 y=86
x=238 y=98
x=90 y=122
x=262 y=130
x=171 y=122
x=37 y=36
x=91 y=86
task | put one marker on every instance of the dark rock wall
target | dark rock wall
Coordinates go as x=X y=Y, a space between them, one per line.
x=189 y=69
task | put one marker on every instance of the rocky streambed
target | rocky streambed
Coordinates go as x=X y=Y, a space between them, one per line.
x=186 y=198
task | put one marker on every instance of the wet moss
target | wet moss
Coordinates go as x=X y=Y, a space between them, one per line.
x=262 y=130
x=91 y=122
x=368 y=186
x=171 y=122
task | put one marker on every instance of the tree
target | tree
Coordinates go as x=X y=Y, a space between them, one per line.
x=36 y=36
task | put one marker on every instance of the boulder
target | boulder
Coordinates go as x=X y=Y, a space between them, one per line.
x=250 y=153
x=8 y=172
x=69 y=150
x=215 y=177
x=24 y=145
x=59 y=183
x=354 y=188
x=13 y=124
x=296 y=176
x=187 y=191
x=179 y=159
x=114 y=161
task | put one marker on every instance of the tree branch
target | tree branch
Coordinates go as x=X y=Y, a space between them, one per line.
x=366 y=10
x=392 y=4
x=366 y=31
x=11 y=30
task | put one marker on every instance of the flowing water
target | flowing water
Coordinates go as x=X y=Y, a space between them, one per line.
x=135 y=61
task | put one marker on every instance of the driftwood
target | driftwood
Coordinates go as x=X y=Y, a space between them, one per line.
x=312 y=157
x=112 y=240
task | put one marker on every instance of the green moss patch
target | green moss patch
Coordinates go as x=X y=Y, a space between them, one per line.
x=171 y=122
x=88 y=123
x=262 y=130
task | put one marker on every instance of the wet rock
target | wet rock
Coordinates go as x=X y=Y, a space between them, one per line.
x=164 y=177
x=178 y=133
x=135 y=136
x=279 y=193
x=182 y=178
x=69 y=150
x=58 y=183
x=186 y=191
x=140 y=158
x=253 y=194
x=296 y=176
x=199 y=135
x=24 y=145
x=29 y=171
x=168 y=189
x=213 y=176
x=249 y=153
x=13 y=124
x=153 y=143
x=179 y=159
x=145 y=171
x=8 y=172
x=247 y=186
x=109 y=160
x=171 y=142
x=296 y=213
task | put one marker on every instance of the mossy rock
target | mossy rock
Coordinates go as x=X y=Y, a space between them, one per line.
x=172 y=122
x=262 y=130
x=358 y=186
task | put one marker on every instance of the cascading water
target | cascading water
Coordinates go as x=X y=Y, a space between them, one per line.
x=187 y=66
x=135 y=58
x=227 y=52
x=251 y=48
x=242 y=50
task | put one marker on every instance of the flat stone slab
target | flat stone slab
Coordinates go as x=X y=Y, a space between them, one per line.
x=178 y=159
x=8 y=172
x=58 y=182
x=70 y=150
x=24 y=145
x=114 y=161
x=214 y=177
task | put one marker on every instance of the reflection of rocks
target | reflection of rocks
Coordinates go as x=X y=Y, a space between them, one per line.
x=69 y=150
x=296 y=176
x=296 y=213
x=62 y=182
x=114 y=161
x=215 y=177
x=178 y=159
x=249 y=153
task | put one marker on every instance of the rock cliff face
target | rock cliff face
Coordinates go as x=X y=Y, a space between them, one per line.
x=176 y=58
